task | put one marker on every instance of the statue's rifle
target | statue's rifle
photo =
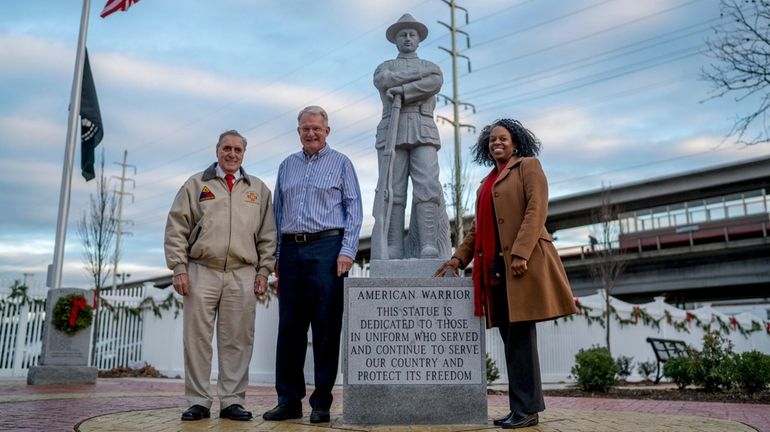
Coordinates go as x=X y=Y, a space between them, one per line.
x=388 y=155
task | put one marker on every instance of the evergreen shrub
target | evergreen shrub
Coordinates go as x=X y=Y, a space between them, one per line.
x=594 y=369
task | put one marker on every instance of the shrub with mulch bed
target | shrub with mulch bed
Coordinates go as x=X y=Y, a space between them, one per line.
x=651 y=393
x=145 y=371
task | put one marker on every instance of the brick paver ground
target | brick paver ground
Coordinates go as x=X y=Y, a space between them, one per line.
x=155 y=405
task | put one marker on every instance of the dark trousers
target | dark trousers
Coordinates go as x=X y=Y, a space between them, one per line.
x=525 y=389
x=310 y=294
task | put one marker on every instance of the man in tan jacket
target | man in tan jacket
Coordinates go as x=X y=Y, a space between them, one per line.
x=220 y=240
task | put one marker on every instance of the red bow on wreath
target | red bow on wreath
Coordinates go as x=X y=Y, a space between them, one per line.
x=734 y=322
x=78 y=304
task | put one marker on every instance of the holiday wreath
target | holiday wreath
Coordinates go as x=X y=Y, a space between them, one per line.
x=72 y=314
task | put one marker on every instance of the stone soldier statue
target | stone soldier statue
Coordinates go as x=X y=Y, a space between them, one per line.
x=407 y=146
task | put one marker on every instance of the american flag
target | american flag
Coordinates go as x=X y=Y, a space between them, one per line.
x=116 y=5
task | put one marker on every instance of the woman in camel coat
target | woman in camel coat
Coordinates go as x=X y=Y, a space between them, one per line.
x=518 y=275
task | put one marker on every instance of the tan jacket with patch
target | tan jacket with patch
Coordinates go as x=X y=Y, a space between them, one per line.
x=221 y=229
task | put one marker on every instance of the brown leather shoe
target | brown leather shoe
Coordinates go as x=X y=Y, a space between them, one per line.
x=235 y=412
x=196 y=412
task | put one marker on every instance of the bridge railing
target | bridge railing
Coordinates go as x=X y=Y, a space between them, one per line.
x=725 y=231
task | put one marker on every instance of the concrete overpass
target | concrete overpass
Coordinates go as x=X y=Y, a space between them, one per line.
x=575 y=210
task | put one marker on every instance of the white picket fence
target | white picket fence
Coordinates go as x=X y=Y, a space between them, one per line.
x=559 y=341
x=126 y=339
x=120 y=333
x=21 y=335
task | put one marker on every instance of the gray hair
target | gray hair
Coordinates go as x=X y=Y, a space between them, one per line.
x=231 y=132
x=314 y=110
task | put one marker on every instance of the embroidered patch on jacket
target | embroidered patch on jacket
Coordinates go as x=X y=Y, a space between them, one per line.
x=251 y=197
x=206 y=194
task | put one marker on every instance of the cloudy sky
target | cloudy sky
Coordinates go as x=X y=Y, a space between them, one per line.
x=611 y=87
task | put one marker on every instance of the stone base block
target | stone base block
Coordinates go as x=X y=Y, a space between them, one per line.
x=415 y=404
x=413 y=352
x=56 y=374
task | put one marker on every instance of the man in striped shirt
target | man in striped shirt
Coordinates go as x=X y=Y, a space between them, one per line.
x=318 y=212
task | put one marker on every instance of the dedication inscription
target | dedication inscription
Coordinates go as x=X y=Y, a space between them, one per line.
x=413 y=335
x=413 y=352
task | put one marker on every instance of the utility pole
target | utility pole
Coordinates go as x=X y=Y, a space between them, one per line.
x=119 y=231
x=456 y=102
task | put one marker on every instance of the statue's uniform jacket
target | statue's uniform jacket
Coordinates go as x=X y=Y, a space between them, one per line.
x=421 y=81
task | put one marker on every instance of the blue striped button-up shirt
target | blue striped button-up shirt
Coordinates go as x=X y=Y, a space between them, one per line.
x=317 y=193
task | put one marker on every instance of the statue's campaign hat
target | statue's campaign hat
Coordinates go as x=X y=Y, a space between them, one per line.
x=406 y=21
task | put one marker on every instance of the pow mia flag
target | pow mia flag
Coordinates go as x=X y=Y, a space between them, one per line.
x=91 y=131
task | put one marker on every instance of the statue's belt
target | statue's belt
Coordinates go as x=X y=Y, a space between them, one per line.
x=405 y=109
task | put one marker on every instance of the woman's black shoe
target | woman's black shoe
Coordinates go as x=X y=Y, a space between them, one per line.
x=517 y=421
x=499 y=421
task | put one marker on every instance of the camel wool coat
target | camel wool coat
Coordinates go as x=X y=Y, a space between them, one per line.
x=520 y=197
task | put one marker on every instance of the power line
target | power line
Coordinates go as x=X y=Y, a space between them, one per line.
x=546 y=22
x=667 y=58
x=588 y=36
x=503 y=10
x=551 y=71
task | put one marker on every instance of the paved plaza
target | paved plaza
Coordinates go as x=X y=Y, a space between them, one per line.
x=146 y=405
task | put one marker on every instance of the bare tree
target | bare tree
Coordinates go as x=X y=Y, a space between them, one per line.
x=741 y=49
x=608 y=261
x=96 y=230
x=462 y=192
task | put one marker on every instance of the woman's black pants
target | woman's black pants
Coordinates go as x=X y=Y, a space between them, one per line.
x=525 y=389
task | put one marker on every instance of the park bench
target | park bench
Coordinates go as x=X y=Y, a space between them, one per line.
x=666 y=349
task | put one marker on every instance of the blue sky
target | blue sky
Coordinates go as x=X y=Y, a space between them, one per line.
x=611 y=87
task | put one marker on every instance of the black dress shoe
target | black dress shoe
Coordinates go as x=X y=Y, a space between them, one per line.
x=235 y=412
x=319 y=416
x=283 y=412
x=196 y=412
x=499 y=421
x=517 y=421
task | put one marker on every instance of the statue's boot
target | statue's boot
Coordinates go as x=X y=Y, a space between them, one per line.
x=426 y=221
x=396 y=232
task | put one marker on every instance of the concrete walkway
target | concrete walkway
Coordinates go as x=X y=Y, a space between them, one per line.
x=155 y=405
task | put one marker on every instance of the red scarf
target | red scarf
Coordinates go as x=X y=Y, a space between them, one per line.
x=485 y=244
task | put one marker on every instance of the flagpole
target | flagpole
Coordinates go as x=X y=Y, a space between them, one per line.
x=55 y=272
